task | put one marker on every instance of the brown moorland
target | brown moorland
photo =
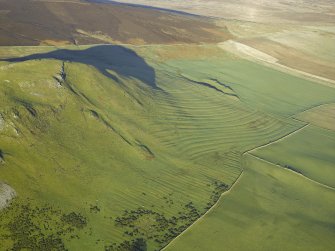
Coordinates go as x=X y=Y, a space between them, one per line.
x=50 y=22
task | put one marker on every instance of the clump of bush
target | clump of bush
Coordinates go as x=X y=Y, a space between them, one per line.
x=74 y=219
x=38 y=227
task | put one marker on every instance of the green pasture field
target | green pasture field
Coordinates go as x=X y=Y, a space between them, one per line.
x=309 y=152
x=270 y=208
x=322 y=116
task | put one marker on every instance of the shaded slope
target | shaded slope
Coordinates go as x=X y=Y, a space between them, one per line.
x=115 y=58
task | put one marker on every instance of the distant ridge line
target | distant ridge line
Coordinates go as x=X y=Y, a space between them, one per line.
x=147 y=7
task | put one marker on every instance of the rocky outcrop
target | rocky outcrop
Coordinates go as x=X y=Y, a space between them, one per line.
x=7 y=193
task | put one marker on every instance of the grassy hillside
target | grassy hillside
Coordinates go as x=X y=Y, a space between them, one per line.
x=115 y=148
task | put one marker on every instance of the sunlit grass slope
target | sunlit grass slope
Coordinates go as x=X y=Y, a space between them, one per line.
x=260 y=87
x=110 y=152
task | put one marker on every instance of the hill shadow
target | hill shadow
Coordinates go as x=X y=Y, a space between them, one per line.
x=122 y=60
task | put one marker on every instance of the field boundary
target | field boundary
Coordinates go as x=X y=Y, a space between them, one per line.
x=208 y=211
x=278 y=140
x=250 y=152
x=239 y=178
x=310 y=108
x=290 y=170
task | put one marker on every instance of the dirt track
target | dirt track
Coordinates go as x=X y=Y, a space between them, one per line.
x=253 y=54
x=209 y=210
